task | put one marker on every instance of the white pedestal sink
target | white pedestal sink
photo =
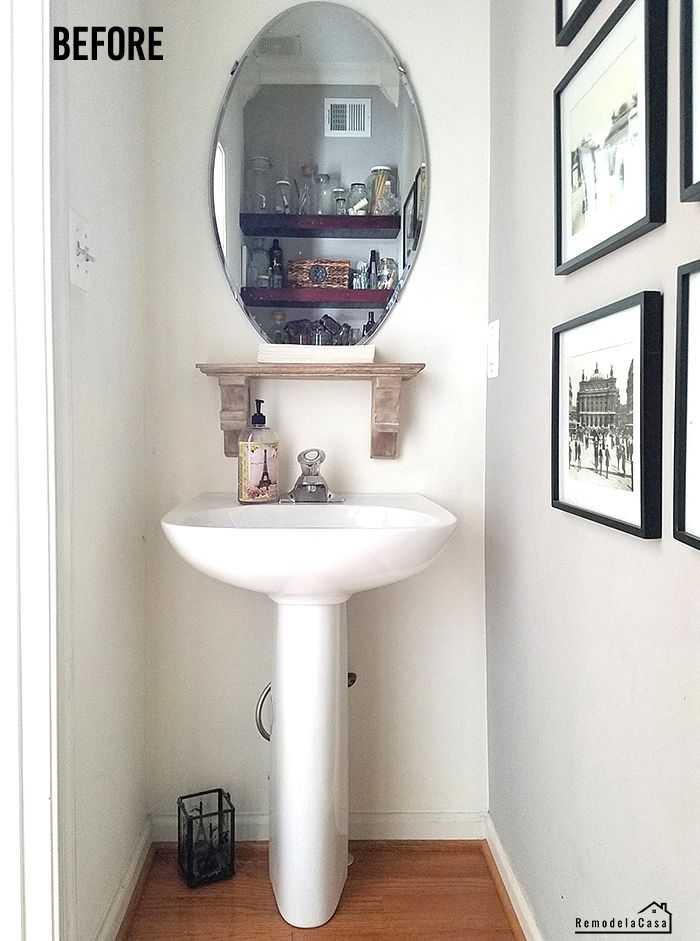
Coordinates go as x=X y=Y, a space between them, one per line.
x=309 y=558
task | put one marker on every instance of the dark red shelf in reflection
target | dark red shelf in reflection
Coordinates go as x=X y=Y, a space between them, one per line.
x=329 y=227
x=315 y=297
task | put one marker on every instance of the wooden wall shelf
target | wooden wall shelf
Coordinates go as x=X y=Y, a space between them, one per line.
x=331 y=298
x=320 y=227
x=386 y=378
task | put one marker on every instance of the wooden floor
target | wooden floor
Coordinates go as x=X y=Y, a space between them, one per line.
x=413 y=891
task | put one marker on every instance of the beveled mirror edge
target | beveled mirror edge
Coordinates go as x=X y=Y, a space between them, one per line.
x=413 y=98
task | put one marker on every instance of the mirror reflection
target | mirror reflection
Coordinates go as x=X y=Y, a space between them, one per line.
x=318 y=178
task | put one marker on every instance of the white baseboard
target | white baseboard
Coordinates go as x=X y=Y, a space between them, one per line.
x=362 y=827
x=518 y=898
x=417 y=826
x=120 y=901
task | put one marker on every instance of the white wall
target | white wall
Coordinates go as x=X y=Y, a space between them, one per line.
x=418 y=710
x=97 y=127
x=594 y=704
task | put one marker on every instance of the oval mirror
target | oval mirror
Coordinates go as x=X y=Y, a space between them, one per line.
x=318 y=178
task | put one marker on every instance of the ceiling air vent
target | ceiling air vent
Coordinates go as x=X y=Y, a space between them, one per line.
x=348 y=117
x=277 y=46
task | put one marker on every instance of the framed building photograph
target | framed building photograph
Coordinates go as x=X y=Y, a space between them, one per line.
x=610 y=137
x=686 y=452
x=690 y=100
x=606 y=415
x=422 y=193
x=570 y=16
x=409 y=224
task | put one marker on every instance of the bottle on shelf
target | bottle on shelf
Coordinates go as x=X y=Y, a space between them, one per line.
x=373 y=273
x=278 y=335
x=370 y=326
x=305 y=205
x=276 y=266
x=332 y=326
x=388 y=274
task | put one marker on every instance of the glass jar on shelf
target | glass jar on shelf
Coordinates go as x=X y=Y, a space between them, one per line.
x=285 y=197
x=376 y=186
x=323 y=195
x=306 y=191
x=259 y=185
x=358 y=200
x=340 y=201
x=258 y=263
x=359 y=277
x=388 y=204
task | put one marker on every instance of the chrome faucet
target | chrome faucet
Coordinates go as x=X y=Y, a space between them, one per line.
x=310 y=486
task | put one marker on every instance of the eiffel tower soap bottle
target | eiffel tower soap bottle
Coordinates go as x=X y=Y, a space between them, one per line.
x=257 y=462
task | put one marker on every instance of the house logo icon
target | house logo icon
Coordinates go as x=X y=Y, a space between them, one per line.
x=657 y=912
x=654 y=918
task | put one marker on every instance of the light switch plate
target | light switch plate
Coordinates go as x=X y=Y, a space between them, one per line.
x=78 y=238
x=492 y=346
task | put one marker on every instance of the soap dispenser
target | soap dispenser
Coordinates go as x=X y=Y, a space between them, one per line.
x=257 y=461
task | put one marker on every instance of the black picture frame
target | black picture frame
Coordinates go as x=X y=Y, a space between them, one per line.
x=565 y=32
x=656 y=91
x=680 y=453
x=408 y=227
x=649 y=448
x=419 y=184
x=690 y=188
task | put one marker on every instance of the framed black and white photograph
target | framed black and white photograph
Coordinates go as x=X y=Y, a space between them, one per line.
x=690 y=100
x=686 y=452
x=570 y=17
x=610 y=137
x=421 y=195
x=606 y=415
x=409 y=224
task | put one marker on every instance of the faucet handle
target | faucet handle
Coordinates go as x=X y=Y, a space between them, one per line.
x=311 y=461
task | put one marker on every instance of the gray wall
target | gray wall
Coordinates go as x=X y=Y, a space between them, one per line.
x=593 y=652
x=98 y=168
x=293 y=115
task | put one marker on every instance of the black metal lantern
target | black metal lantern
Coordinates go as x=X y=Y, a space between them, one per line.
x=205 y=836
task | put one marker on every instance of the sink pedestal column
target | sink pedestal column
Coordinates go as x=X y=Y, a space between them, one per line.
x=309 y=779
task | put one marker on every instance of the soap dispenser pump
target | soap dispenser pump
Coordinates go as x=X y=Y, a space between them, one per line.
x=257 y=461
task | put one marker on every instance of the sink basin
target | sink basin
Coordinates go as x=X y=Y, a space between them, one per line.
x=310 y=553
x=309 y=558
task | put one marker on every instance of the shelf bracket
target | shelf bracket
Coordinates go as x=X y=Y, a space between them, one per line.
x=386 y=401
x=235 y=409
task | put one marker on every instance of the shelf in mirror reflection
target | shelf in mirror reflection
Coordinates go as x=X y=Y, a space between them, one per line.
x=331 y=227
x=330 y=298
